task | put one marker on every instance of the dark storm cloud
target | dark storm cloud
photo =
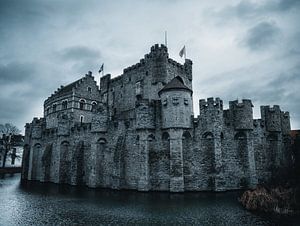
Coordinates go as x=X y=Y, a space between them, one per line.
x=274 y=87
x=45 y=44
x=16 y=72
x=79 y=53
x=281 y=5
x=261 y=36
x=248 y=9
x=21 y=85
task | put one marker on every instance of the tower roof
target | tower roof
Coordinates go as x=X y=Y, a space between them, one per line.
x=175 y=84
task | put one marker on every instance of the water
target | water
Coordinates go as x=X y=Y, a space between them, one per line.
x=40 y=204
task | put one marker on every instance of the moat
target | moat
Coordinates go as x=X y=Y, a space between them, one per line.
x=44 y=203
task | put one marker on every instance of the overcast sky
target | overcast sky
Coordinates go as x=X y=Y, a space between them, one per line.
x=240 y=49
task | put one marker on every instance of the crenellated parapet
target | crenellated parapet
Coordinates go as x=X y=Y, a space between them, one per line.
x=272 y=117
x=104 y=83
x=188 y=66
x=37 y=126
x=285 y=123
x=211 y=114
x=242 y=114
x=157 y=52
x=210 y=105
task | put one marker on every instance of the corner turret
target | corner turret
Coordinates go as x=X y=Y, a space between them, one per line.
x=176 y=105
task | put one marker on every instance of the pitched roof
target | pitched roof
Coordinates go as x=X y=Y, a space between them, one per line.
x=67 y=88
x=175 y=84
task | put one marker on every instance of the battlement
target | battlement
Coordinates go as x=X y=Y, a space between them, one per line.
x=37 y=126
x=135 y=66
x=285 y=122
x=155 y=52
x=37 y=121
x=175 y=63
x=236 y=104
x=158 y=50
x=272 y=117
x=274 y=108
x=241 y=114
x=211 y=103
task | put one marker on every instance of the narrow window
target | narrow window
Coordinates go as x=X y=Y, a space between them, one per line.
x=94 y=103
x=81 y=118
x=138 y=88
x=89 y=89
x=54 y=108
x=81 y=104
x=64 y=104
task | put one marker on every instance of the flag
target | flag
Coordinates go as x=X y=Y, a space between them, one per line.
x=182 y=52
x=101 y=68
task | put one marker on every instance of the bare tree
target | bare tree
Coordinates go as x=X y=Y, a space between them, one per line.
x=7 y=132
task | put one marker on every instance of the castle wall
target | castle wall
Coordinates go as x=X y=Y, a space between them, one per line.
x=143 y=80
x=140 y=136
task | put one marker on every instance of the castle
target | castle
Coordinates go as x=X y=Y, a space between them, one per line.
x=137 y=131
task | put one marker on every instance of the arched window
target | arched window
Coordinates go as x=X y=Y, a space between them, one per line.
x=65 y=163
x=81 y=104
x=208 y=135
x=101 y=141
x=240 y=136
x=64 y=104
x=151 y=137
x=138 y=88
x=186 y=135
x=54 y=108
x=37 y=148
x=94 y=103
x=89 y=89
x=81 y=118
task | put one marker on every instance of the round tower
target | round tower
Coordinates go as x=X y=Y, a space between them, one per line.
x=176 y=104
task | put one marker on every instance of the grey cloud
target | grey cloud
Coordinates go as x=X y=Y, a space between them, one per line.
x=16 y=72
x=45 y=44
x=272 y=88
x=283 y=5
x=79 y=53
x=248 y=9
x=261 y=36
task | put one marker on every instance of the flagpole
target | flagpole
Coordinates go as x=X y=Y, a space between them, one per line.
x=166 y=41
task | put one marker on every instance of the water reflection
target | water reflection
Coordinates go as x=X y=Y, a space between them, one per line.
x=38 y=203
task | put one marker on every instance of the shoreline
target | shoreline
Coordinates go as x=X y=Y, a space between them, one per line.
x=276 y=200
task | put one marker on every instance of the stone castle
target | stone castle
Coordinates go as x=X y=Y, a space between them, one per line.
x=137 y=131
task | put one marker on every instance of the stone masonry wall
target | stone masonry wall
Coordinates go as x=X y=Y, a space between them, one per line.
x=130 y=137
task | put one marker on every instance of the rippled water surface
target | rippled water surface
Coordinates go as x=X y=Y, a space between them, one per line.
x=39 y=204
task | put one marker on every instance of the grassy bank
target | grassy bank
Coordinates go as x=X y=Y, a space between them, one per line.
x=278 y=200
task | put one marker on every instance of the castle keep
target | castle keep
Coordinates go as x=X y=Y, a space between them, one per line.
x=138 y=131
